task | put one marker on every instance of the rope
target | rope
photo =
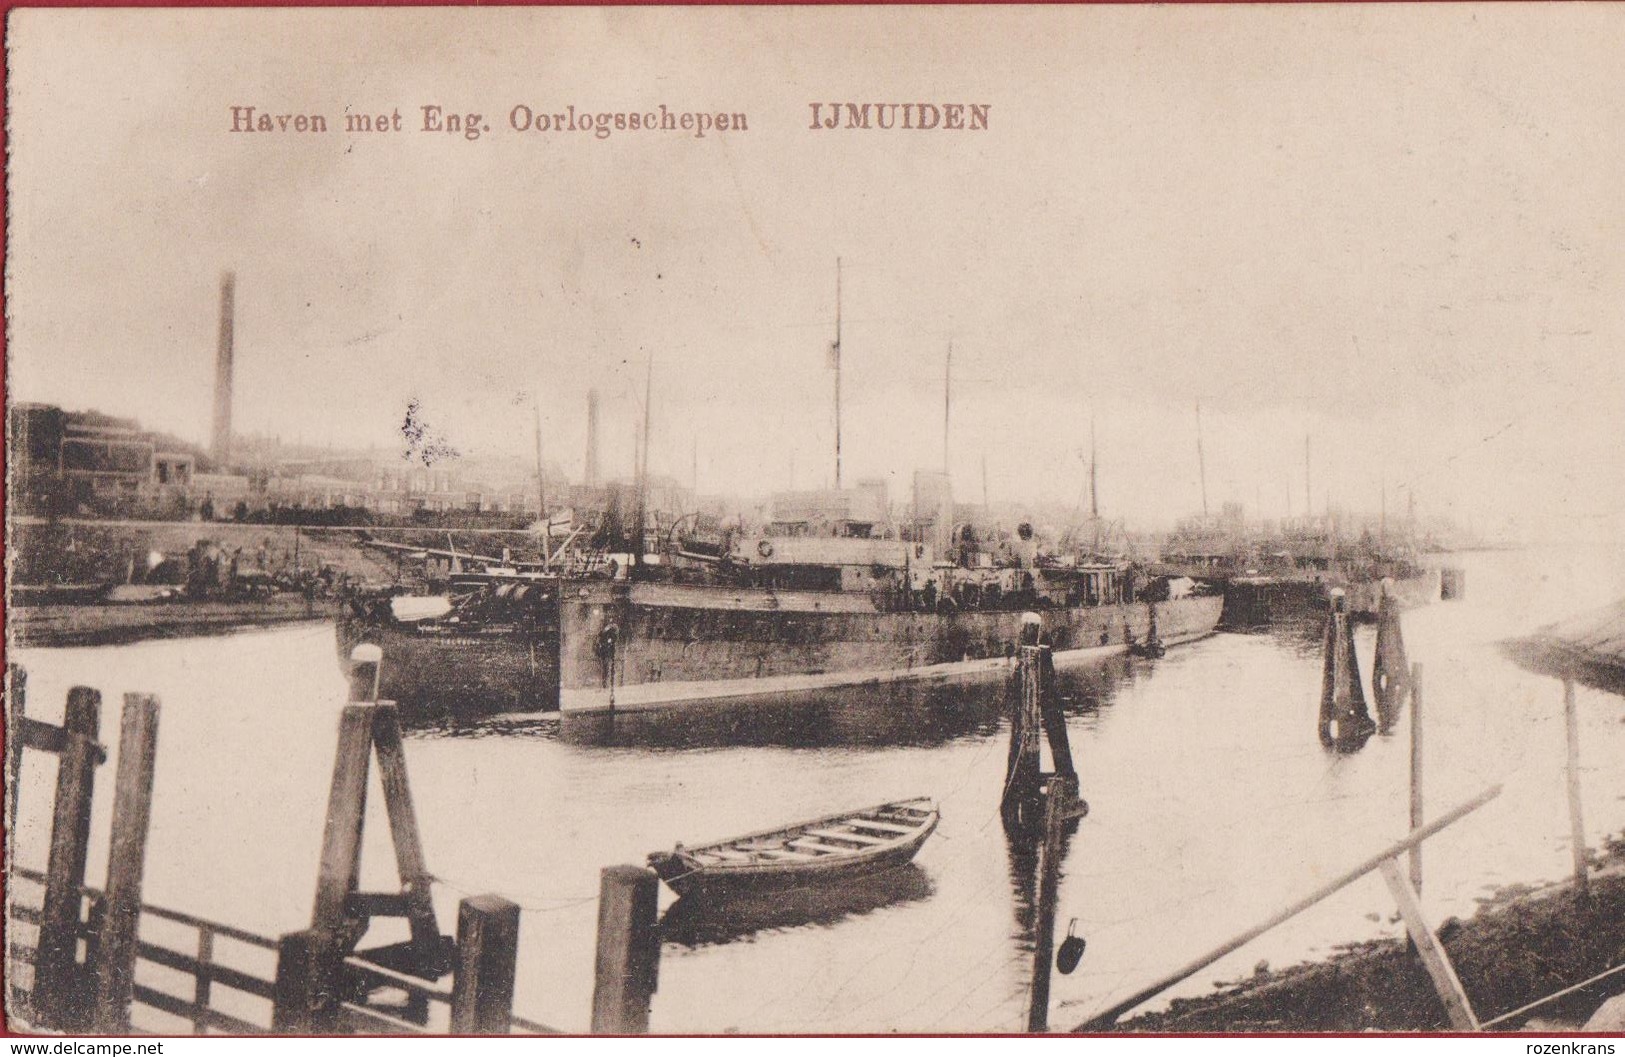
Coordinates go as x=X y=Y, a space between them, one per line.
x=534 y=903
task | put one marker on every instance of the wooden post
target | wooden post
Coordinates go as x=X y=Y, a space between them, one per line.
x=1054 y=721
x=305 y=997
x=1058 y=799
x=1434 y=958
x=628 y=963
x=1344 y=719
x=114 y=965
x=366 y=672
x=1577 y=829
x=1022 y=772
x=58 y=980
x=340 y=868
x=1416 y=772
x=205 y=979
x=403 y=826
x=1389 y=665
x=487 y=954
x=16 y=696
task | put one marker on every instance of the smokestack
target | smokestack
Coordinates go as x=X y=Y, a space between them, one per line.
x=592 y=438
x=222 y=368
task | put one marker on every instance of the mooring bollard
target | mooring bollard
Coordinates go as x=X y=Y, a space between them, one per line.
x=627 y=968
x=487 y=955
x=305 y=995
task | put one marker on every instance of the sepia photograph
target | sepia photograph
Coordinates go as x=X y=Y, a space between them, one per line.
x=815 y=520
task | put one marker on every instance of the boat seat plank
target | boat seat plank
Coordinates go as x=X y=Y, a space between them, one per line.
x=807 y=844
x=720 y=853
x=887 y=827
x=791 y=856
x=861 y=838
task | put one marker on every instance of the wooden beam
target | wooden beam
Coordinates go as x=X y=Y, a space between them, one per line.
x=16 y=697
x=58 y=979
x=340 y=867
x=114 y=968
x=1058 y=799
x=1577 y=828
x=1434 y=958
x=305 y=996
x=403 y=827
x=1416 y=772
x=628 y=959
x=487 y=955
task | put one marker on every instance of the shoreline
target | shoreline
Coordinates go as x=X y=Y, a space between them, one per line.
x=1521 y=945
x=65 y=626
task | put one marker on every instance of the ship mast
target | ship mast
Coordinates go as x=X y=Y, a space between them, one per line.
x=541 y=491
x=1094 y=495
x=835 y=357
x=643 y=469
x=1308 y=495
x=1201 y=460
x=947 y=402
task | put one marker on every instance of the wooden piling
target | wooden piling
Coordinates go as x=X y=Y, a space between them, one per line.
x=628 y=962
x=1577 y=830
x=340 y=869
x=16 y=697
x=403 y=824
x=487 y=954
x=113 y=968
x=1434 y=958
x=1023 y=767
x=1344 y=719
x=1059 y=796
x=305 y=995
x=59 y=982
x=1416 y=772
x=366 y=672
x=1389 y=665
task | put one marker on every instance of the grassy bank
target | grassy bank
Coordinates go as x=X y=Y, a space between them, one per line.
x=1522 y=945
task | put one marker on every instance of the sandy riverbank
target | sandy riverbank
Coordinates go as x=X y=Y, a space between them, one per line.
x=1522 y=945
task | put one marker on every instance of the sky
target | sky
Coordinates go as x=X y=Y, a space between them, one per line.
x=1395 y=230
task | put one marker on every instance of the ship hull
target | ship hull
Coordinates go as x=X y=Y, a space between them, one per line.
x=676 y=647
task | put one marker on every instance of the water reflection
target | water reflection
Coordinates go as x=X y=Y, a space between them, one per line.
x=1023 y=846
x=696 y=921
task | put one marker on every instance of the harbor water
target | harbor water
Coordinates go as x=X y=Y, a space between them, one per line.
x=1213 y=805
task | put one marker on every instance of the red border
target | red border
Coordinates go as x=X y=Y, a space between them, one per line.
x=7 y=6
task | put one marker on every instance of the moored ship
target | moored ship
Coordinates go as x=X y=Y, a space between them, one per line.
x=786 y=615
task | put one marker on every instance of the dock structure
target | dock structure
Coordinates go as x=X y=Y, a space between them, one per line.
x=1345 y=722
x=80 y=974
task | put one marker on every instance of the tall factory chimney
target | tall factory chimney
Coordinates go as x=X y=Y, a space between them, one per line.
x=592 y=439
x=221 y=447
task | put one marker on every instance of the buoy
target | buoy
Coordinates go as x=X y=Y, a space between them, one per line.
x=1071 y=952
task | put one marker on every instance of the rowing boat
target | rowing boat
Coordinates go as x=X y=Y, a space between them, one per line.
x=822 y=850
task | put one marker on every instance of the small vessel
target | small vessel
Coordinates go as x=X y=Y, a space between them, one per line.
x=822 y=850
